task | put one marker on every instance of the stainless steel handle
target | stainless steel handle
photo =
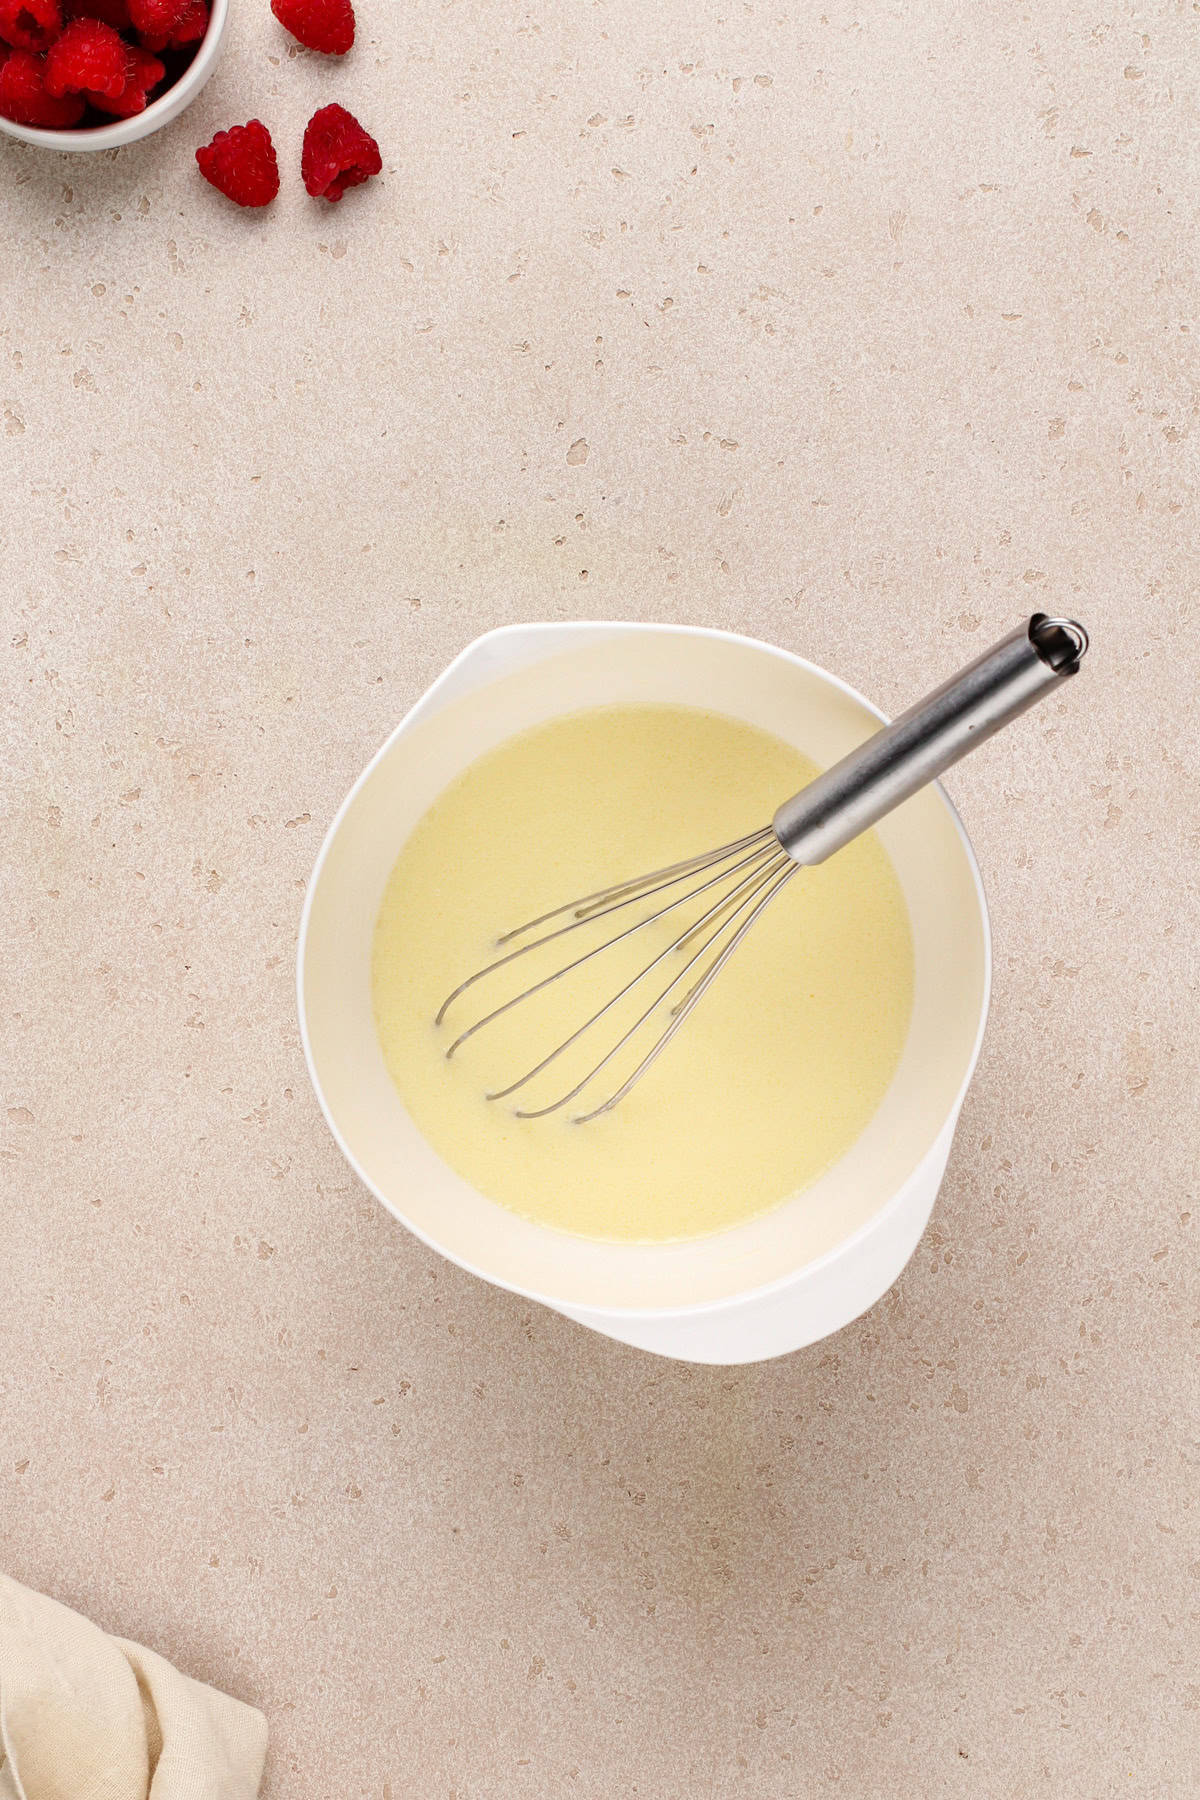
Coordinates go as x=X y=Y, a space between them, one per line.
x=915 y=748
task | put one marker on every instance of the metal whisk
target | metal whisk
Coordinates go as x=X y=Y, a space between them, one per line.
x=735 y=883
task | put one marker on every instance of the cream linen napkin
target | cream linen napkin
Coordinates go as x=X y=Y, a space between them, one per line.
x=85 y=1716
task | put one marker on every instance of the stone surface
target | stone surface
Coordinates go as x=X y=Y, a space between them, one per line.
x=865 y=331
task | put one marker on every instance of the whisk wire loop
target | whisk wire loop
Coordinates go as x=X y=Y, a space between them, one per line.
x=748 y=888
x=780 y=881
x=767 y=847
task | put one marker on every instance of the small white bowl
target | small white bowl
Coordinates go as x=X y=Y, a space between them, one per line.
x=160 y=112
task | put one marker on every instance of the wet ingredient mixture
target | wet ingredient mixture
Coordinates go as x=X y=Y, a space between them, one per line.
x=772 y=1077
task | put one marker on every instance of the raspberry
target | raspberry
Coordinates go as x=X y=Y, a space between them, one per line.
x=23 y=96
x=191 y=25
x=337 y=153
x=30 y=24
x=156 y=18
x=89 y=57
x=189 y=28
x=241 y=163
x=113 y=12
x=326 y=25
x=145 y=73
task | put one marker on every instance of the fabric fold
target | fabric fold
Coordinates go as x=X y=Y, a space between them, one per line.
x=86 y=1716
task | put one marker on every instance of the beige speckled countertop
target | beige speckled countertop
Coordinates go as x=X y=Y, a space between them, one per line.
x=875 y=326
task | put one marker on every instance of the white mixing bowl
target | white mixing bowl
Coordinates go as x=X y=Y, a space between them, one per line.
x=785 y=1278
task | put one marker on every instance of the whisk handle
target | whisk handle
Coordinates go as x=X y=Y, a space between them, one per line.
x=915 y=748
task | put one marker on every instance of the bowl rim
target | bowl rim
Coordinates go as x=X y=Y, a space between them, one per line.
x=160 y=112
x=567 y=628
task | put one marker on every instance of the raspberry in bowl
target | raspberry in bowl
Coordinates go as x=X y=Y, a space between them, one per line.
x=95 y=74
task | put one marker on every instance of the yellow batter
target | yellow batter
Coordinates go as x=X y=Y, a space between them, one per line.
x=771 y=1078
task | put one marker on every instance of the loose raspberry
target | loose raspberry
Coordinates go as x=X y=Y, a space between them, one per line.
x=145 y=73
x=337 y=154
x=89 y=57
x=188 y=29
x=241 y=163
x=156 y=18
x=326 y=25
x=113 y=12
x=23 y=96
x=30 y=24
